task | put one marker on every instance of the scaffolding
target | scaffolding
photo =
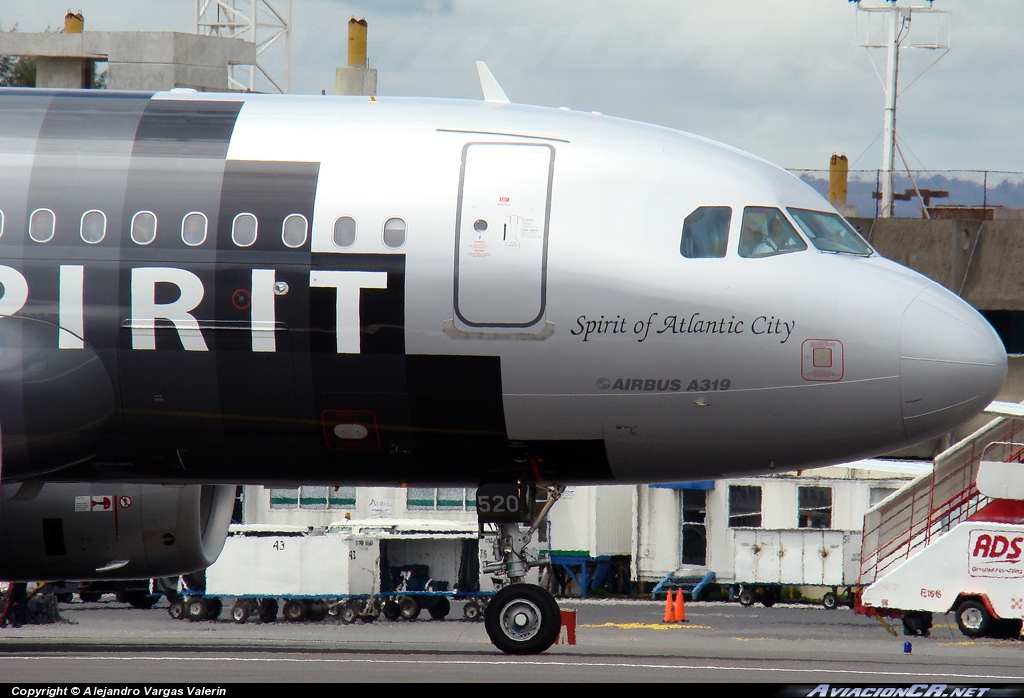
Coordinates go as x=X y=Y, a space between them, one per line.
x=265 y=23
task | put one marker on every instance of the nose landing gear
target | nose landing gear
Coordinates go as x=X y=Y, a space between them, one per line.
x=521 y=618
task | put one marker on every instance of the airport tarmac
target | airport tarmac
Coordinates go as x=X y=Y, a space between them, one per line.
x=617 y=641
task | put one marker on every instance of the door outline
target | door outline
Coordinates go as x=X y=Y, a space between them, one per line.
x=544 y=250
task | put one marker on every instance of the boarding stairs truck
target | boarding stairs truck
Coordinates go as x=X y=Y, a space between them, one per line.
x=952 y=541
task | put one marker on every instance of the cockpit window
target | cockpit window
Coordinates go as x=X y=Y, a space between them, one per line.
x=829 y=232
x=706 y=232
x=766 y=232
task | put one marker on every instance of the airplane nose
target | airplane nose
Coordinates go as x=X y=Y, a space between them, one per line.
x=952 y=364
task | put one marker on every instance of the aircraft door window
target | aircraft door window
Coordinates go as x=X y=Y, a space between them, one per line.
x=345 y=231
x=706 y=232
x=766 y=232
x=243 y=229
x=94 y=226
x=143 y=227
x=394 y=233
x=193 y=229
x=41 y=225
x=293 y=230
x=829 y=232
x=744 y=506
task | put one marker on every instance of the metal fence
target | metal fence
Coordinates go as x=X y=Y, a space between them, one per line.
x=962 y=188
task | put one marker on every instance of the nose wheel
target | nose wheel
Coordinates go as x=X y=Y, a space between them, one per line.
x=522 y=619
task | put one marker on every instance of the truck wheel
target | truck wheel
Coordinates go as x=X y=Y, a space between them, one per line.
x=441 y=609
x=370 y=611
x=348 y=612
x=391 y=609
x=472 y=611
x=195 y=608
x=747 y=597
x=973 y=618
x=89 y=596
x=410 y=608
x=769 y=597
x=294 y=610
x=316 y=611
x=830 y=601
x=213 y=608
x=141 y=601
x=240 y=612
x=177 y=609
x=268 y=610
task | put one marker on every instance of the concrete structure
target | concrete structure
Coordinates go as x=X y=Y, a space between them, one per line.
x=135 y=60
x=357 y=78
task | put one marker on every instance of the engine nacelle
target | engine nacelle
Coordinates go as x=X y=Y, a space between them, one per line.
x=86 y=531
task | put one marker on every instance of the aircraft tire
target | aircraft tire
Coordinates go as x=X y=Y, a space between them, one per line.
x=522 y=619
x=973 y=618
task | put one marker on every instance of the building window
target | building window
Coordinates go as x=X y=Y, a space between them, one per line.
x=144 y=227
x=41 y=225
x=814 y=507
x=94 y=226
x=293 y=230
x=243 y=229
x=193 y=229
x=441 y=498
x=877 y=494
x=313 y=497
x=345 y=231
x=394 y=232
x=744 y=506
x=706 y=232
x=284 y=498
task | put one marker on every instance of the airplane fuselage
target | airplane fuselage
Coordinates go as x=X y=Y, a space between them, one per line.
x=247 y=289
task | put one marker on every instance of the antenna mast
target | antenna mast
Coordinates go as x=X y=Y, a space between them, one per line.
x=893 y=33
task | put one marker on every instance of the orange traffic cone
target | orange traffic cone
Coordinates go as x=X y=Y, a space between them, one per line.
x=680 y=607
x=669 y=614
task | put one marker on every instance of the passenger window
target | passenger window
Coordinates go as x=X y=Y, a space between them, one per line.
x=293 y=231
x=41 y=225
x=1 y=223
x=394 y=232
x=193 y=229
x=143 y=227
x=94 y=226
x=829 y=232
x=706 y=232
x=345 y=231
x=766 y=232
x=243 y=229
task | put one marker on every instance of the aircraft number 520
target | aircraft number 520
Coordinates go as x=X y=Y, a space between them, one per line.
x=501 y=503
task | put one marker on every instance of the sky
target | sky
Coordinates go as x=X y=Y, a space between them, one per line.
x=783 y=79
